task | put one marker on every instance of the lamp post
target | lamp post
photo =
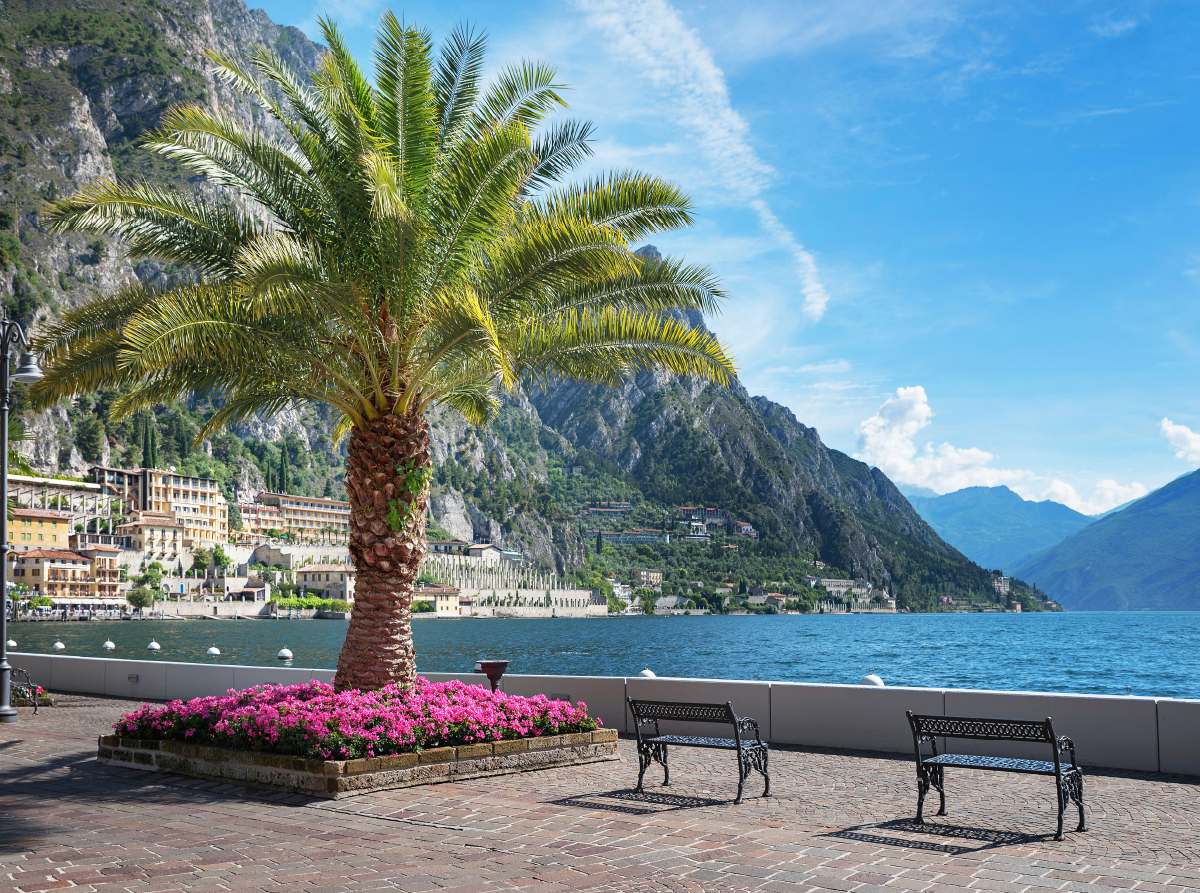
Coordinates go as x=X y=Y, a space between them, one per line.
x=27 y=372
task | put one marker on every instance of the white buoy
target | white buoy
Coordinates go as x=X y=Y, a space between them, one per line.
x=872 y=679
x=12 y=644
x=153 y=646
x=647 y=673
x=214 y=651
x=284 y=654
x=108 y=646
x=59 y=646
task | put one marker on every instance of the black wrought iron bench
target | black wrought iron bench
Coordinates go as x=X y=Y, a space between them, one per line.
x=23 y=691
x=751 y=755
x=931 y=770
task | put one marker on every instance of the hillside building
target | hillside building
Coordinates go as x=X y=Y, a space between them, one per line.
x=647 y=576
x=38 y=529
x=333 y=580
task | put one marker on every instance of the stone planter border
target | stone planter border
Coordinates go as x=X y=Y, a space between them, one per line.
x=333 y=779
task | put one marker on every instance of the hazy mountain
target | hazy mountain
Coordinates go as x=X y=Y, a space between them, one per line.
x=1146 y=557
x=995 y=527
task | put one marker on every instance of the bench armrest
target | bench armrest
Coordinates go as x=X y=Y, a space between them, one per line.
x=749 y=724
x=1066 y=745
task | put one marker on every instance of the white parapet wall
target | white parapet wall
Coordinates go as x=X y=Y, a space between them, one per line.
x=1144 y=734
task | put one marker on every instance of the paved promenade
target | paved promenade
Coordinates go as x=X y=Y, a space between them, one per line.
x=838 y=821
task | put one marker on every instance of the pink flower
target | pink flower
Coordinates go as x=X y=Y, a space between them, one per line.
x=310 y=719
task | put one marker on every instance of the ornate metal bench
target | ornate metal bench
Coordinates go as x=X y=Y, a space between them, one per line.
x=751 y=755
x=931 y=770
x=23 y=690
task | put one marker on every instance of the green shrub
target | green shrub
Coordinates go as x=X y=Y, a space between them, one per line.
x=321 y=604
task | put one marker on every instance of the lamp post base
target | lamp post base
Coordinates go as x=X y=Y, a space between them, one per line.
x=8 y=715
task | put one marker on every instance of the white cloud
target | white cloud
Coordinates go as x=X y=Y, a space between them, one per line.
x=652 y=36
x=1185 y=441
x=887 y=441
x=1113 y=28
x=1108 y=494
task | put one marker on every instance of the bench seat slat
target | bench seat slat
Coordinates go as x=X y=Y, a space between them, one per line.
x=999 y=764
x=697 y=741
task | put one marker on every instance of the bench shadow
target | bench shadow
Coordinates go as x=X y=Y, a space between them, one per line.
x=630 y=802
x=982 y=838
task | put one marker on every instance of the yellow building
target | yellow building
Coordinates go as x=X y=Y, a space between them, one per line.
x=257 y=520
x=309 y=517
x=334 y=580
x=196 y=503
x=52 y=572
x=106 y=569
x=38 y=529
x=157 y=534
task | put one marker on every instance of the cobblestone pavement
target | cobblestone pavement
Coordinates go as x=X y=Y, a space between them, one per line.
x=838 y=821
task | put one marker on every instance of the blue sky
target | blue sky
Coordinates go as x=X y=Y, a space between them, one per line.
x=962 y=240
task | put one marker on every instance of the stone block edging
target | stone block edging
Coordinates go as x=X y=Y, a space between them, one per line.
x=333 y=779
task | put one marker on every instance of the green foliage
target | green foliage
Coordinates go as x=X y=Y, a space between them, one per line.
x=140 y=598
x=423 y=607
x=416 y=481
x=151 y=578
x=309 y=602
x=41 y=601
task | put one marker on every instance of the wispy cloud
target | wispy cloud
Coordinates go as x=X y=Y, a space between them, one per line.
x=652 y=36
x=1113 y=27
x=1185 y=441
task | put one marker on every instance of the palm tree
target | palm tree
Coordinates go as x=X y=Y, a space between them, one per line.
x=403 y=245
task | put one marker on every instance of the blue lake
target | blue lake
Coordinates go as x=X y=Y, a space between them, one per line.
x=1156 y=654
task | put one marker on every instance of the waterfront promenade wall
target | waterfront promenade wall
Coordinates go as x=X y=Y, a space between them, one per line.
x=1134 y=733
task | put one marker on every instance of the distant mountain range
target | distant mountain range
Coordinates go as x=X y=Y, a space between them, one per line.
x=1144 y=557
x=995 y=527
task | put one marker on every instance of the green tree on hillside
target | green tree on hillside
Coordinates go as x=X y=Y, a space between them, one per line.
x=417 y=247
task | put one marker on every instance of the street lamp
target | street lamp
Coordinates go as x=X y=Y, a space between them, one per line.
x=28 y=371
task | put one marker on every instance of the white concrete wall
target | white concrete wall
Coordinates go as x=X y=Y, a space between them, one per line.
x=604 y=695
x=859 y=717
x=1113 y=732
x=1179 y=736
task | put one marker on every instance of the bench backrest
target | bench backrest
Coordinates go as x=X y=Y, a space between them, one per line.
x=927 y=727
x=683 y=712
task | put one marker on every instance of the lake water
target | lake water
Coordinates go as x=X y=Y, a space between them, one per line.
x=1106 y=653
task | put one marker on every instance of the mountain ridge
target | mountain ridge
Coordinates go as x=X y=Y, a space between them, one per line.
x=1145 y=557
x=996 y=527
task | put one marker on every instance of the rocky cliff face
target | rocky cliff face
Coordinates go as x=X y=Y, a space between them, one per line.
x=79 y=84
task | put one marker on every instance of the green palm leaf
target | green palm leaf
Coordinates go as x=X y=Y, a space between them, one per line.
x=408 y=243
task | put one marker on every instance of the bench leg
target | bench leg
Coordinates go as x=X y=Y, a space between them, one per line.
x=938 y=780
x=650 y=752
x=1071 y=791
x=927 y=777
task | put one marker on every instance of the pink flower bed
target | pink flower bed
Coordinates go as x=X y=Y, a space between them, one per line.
x=312 y=720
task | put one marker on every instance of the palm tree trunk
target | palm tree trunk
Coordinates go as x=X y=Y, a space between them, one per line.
x=379 y=645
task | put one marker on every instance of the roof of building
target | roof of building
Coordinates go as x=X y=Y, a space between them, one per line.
x=157 y=519
x=436 y=590
x=45 y=514
x=51 y=554
x=97 y=547
x=327 y=568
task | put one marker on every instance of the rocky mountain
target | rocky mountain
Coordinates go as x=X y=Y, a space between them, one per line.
x=1145 y=557
x=80 y=81
x=995 y=527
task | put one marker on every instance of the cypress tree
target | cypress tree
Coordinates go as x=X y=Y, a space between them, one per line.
x=599 y=543
x=285 y=482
